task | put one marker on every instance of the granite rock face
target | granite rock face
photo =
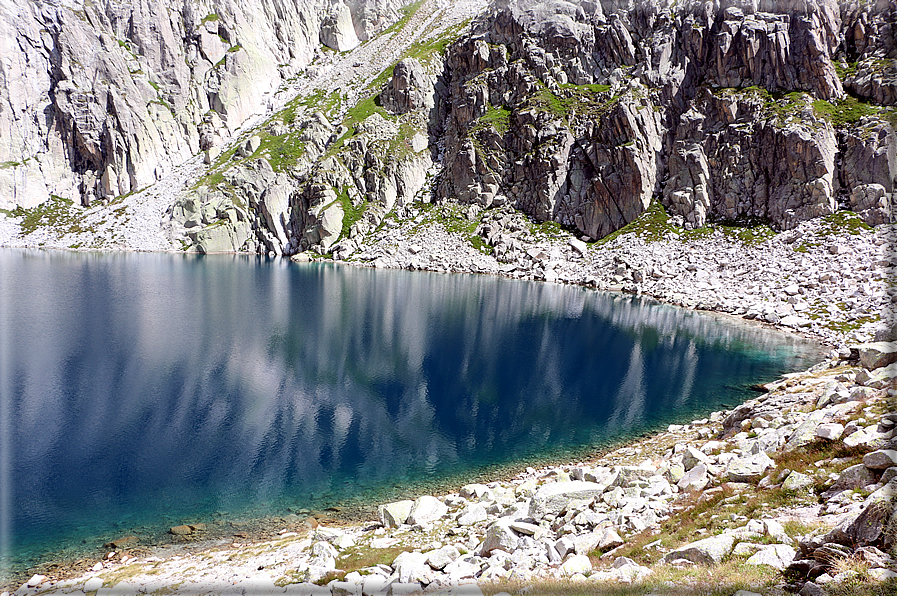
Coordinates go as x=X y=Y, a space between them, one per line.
x=581 y=113
x=101 y=99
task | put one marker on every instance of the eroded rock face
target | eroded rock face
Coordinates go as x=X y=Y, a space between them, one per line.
x=100 y=99
x=582 y=112
x=409 y=89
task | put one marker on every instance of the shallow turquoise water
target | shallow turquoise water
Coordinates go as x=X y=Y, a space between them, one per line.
x=141 y=391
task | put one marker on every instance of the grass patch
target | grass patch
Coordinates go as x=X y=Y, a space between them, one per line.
x=498 y=118
x=357 y=114
x=550 y=229
x=846 y=70
x=56 y=213
x=781 y=105
x=750 y=231
x=722 y=580
x=591 y=101
x=453 y=219
x=423 y=51
x=840 y=222
x=351 y=213
x=282 y=151
x=212 y=16
x=407 y=11
x=651 y=226
x=359 y=557
x=654 y=224
x=841 y=112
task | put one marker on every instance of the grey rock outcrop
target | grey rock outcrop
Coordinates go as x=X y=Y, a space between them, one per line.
x=581 y=113
x=409 y=88
x=101 y=99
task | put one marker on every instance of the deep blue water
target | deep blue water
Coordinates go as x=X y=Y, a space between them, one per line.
x=141 y=391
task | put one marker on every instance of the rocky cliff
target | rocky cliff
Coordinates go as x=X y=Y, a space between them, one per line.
x=582 y=113
x=317 y=120
x=100 y=99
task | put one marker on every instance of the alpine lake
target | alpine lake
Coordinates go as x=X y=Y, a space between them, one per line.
x=142 y=391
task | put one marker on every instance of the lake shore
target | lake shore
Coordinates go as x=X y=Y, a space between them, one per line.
x=794 y=491
x=292 y=540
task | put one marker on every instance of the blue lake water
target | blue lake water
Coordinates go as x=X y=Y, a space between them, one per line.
x=141 y=391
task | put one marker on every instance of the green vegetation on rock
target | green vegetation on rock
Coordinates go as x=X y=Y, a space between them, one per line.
x=56 y=213
x=351 y=213
x=585 y=100
x=281 y=151
x=498 y=118
x=781 y=105
x=452 y=217
x=837 y=223
x=651 y=226
x=845 y=111
x=654 y=225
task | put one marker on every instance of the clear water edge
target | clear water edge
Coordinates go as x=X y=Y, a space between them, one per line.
x=151 y=530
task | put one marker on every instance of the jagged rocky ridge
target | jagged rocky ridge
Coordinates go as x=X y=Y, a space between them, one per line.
x=580 y=113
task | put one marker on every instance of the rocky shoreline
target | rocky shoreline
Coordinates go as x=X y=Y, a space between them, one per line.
x=764 y=497
x=830 y=278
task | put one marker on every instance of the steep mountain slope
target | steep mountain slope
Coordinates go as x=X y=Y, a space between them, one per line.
x=101 y=99
x=580 y=113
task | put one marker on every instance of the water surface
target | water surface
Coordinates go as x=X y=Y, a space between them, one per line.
x=141 y=391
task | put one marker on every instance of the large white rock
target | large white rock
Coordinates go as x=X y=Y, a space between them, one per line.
x=555 y=496
x=830 y=431
x=473 y=513
x=778 y=556
x=749 y=469
x=338 y=32
x=476 y=492
x=93 y=584
x=576 y=564
x=586 y=543
x=881 y=377
x=410 y=566
x=695 y=479
x=611 y=539
x=709 y=551
x=323 y=554
x=692 y=457
x=439 y=558
x=426 y=509
x=394 y=514
x=499 y=536
x=797 y=481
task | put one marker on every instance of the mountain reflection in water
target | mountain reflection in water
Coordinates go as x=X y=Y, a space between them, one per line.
x=139 y=390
